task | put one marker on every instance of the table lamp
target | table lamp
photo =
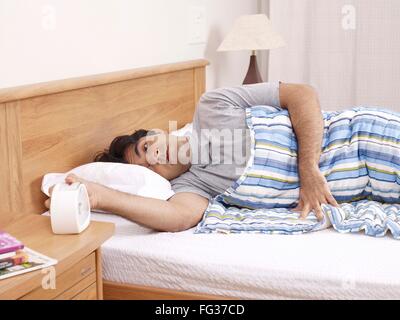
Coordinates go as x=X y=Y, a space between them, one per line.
x=252 y=32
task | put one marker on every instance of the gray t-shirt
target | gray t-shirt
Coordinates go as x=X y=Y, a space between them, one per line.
x=220 y=142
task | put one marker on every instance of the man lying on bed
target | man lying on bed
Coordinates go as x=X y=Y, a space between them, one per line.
x=196 y=183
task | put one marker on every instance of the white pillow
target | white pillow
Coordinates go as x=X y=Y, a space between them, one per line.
x=128 y=178
x=184 y=131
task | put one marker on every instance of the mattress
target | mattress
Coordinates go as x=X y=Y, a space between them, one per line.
x=320 y=265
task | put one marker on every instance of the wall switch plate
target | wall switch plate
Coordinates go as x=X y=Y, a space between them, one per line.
x=196 y=25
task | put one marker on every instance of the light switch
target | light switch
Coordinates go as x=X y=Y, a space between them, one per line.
x=196 y=25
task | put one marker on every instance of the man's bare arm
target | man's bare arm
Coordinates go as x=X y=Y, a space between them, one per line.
x=181 y=212
x=306 y=117
x=305 y=113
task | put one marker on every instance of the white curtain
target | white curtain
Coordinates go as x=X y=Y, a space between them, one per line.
x=348 y=49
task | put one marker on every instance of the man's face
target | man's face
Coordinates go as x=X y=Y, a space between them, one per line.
x=165 y=154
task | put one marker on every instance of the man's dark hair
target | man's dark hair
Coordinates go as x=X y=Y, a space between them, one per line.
x=116 y=151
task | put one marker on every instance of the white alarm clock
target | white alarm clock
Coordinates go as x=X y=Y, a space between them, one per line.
x=69 y=208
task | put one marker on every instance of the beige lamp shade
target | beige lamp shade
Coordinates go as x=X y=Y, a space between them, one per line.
x=252 y=32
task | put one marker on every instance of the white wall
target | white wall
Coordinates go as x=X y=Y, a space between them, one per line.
x=43 y=40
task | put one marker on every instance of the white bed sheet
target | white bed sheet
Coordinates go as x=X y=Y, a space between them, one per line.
x=323 y=265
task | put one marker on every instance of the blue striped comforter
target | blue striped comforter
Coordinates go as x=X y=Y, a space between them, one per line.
x=360 y=160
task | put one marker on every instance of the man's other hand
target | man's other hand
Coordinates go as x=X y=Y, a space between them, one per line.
x=314 y=191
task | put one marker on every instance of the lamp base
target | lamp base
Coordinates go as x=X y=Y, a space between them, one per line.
x=253 y=74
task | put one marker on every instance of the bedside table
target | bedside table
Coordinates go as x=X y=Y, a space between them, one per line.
x=78 y=273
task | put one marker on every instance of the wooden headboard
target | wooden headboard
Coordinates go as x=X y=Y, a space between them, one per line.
x=56 y=126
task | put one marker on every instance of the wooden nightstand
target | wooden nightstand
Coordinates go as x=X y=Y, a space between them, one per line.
x=78 y=271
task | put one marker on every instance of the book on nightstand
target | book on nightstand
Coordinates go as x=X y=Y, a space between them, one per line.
x=19 y=258
x=8 y=245
x=16 y=259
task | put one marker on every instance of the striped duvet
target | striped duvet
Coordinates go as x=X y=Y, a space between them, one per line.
x=360 y=160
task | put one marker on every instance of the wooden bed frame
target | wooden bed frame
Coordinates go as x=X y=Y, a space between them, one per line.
x=56 y=126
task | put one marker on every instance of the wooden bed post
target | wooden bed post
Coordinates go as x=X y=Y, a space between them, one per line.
x=11 y=186
x=199 y=83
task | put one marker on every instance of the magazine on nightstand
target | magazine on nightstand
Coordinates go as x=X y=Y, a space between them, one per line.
x=32 y=261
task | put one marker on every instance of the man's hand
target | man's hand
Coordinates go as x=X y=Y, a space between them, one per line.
x=314 y=191
x=94 y=190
